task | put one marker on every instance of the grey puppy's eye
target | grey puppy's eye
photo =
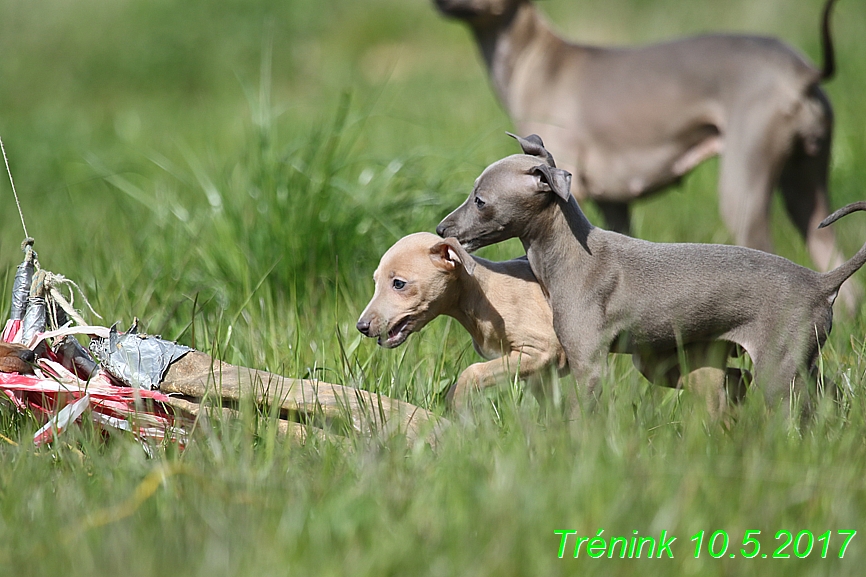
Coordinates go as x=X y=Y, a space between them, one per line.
x=479 y=203
x=398 y=284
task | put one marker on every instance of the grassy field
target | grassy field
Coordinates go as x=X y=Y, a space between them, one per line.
x=230 y=172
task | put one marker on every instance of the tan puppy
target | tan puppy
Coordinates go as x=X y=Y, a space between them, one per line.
x=500 y=303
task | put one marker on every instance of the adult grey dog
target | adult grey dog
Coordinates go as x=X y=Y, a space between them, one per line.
x=613 y=293
x=630 y=121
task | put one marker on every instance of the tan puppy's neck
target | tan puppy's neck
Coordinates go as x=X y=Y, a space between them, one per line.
x=472 y=308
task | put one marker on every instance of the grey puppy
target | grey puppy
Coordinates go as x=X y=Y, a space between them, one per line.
x=630 y=121
x=613 y=293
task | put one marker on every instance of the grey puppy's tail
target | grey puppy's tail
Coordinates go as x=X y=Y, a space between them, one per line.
x=834 y=279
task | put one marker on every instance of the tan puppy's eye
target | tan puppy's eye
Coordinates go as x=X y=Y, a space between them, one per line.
x=398 y=284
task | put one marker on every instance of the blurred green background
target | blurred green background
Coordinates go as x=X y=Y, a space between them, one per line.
x=231 y=171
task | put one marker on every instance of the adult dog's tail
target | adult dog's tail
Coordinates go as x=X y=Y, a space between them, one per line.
x=834 y=279
x=829 y=68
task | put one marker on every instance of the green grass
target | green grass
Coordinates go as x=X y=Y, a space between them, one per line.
x=230 y=172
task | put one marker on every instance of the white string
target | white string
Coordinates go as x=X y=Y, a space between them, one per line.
x=53 y=280
x=14 y=192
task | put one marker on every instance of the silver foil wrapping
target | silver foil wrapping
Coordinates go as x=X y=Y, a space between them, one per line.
x=137 y=360
x=21 y=289
x=34 y=319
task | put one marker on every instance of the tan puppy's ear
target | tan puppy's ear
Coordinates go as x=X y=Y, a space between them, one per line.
x=449 y=255
x=554 y=180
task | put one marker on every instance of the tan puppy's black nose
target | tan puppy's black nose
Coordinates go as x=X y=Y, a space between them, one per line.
x=364 y=327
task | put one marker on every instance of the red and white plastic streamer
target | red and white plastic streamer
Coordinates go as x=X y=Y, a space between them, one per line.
x=61 y=397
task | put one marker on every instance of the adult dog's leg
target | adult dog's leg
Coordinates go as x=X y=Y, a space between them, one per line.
x=616 y=216
x=755 y=147
x=803 y=183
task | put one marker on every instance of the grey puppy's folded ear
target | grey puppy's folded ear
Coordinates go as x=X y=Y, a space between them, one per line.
x=449 y=254
x=533 y=145
x=557 y=179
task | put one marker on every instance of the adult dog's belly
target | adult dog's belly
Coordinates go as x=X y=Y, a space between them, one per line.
x=620 y=162
x=631 y=171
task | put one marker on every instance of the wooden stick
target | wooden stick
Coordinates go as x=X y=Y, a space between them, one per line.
x=197 y=376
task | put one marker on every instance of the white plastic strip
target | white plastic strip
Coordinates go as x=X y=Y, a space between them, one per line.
x=58 y=424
